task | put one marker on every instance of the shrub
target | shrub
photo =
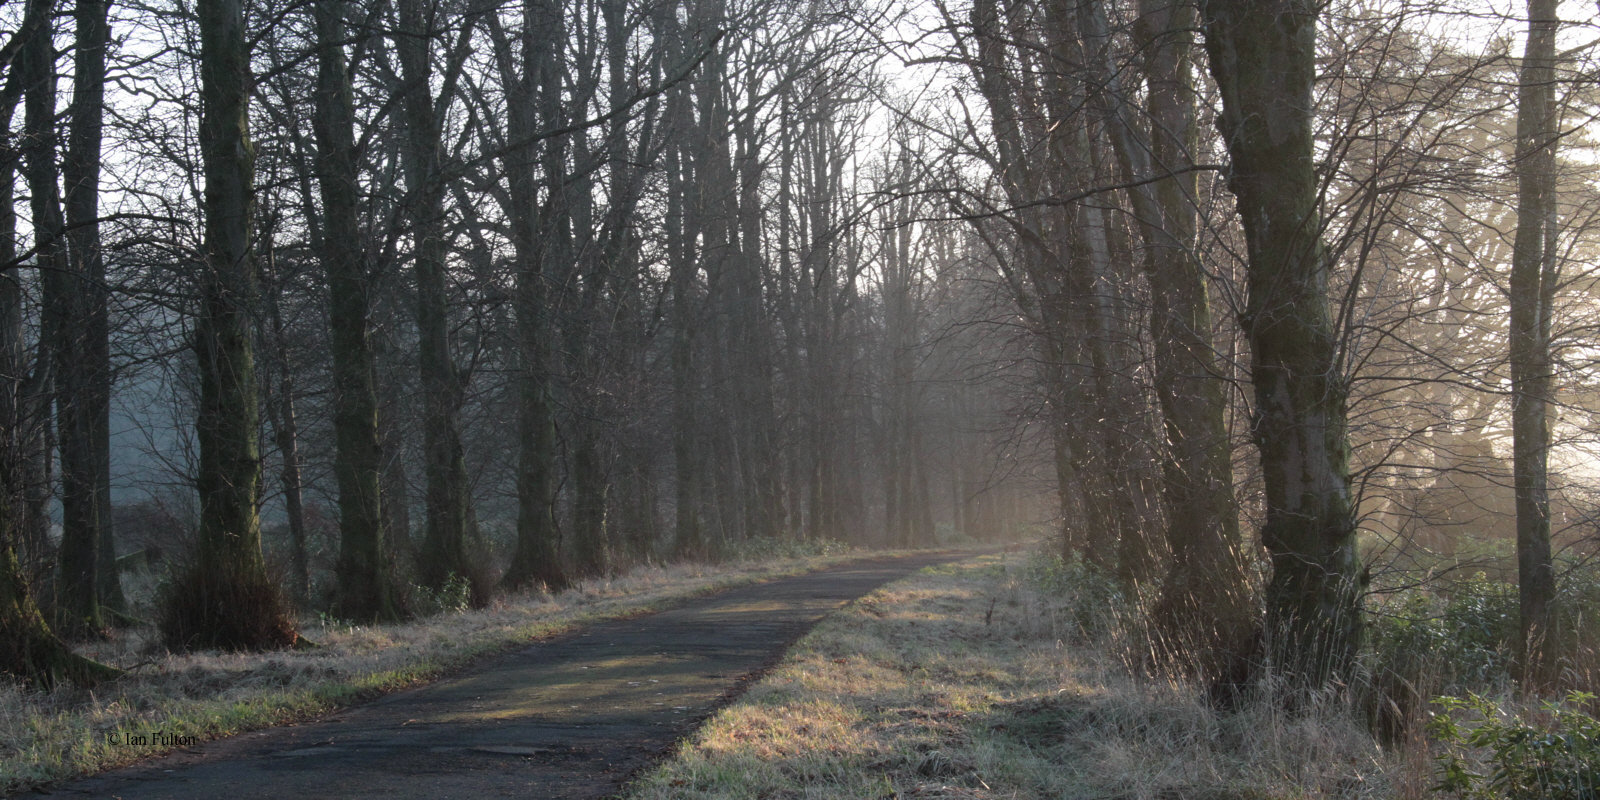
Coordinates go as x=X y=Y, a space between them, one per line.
x=454 y=597
x=1456 y=643
x=1559 y=758
x=200 y=609
x=1091 y=598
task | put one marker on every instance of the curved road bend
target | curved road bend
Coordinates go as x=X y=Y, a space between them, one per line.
x=569 y=717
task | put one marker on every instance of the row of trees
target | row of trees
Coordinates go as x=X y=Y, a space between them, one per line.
x=1392 y=205
x=728 y=276
x=359 y=245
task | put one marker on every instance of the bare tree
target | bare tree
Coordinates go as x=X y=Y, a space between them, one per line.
x=87 y=305
x=225 y=599
x=444 y=550
x=28 y=647
x=1534 y=275
x=534 y=98
x=1262 y=56
x=365 y=590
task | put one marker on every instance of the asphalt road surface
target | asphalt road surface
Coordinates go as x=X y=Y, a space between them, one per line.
x=574 y=716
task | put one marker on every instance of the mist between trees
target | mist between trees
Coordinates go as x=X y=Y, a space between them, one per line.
x=1261 y=309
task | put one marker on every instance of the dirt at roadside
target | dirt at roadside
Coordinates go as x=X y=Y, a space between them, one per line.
x=572 y=717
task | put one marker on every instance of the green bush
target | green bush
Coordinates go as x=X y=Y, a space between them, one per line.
x=1463 y=640
x=454 y=597
x=1578 y=602
x=1557 y=759
x=1092 y=599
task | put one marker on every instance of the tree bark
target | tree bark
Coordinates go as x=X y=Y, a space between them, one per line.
x=28 y=648
x=81 y=171
x=1262 y=56
x=444 y=545
x=365 y=591
x=29 y=471
x=13 y=347
x=1534 y=274
x=226 y=599
x=1205 y=610
x=580 y=264
x=537 y=94
x=63 y=334
x=681 y=229
x=25 y=425
x=1061 y=255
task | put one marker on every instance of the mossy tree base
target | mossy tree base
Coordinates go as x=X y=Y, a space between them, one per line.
x=28 y=649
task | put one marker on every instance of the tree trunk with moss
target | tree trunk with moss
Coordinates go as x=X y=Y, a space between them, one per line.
x=1262 y=55
x=1534 y=275
x=444 y=550
x=224 y=599
x=28 y=648
x=365 y=590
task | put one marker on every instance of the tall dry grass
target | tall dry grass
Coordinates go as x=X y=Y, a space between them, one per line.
x=977 y=682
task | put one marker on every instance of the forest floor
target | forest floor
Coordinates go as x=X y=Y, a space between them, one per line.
x=968 y=681
x=570 y=716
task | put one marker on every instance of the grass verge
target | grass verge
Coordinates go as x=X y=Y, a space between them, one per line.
x=968 y=681
x=49 y=737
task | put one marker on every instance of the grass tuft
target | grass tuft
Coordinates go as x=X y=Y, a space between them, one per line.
x=232 y=609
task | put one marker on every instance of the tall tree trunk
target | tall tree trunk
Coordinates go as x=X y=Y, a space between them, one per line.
x=63 y=329
x=582 y=266
x=28 y=648
x=682 y=228
x=1262 y=55
x=538 y=92
x=751 y=343
x=444 y=545
x=1055 y=268
x=279 y=403
x=1204 y=611
x=25 y=426
x=81 y=171
x=226 y=600
x=13 y=347
x=688 y=538
x=365 y=591
x=907 y=510
x=1532 y=293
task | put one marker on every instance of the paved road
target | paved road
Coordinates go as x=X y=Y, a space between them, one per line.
x=570 y=717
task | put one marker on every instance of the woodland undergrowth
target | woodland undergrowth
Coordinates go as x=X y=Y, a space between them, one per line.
x=1030 y=677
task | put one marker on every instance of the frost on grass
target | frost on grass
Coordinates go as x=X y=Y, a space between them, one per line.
x=966 y=682
x=50 y=736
